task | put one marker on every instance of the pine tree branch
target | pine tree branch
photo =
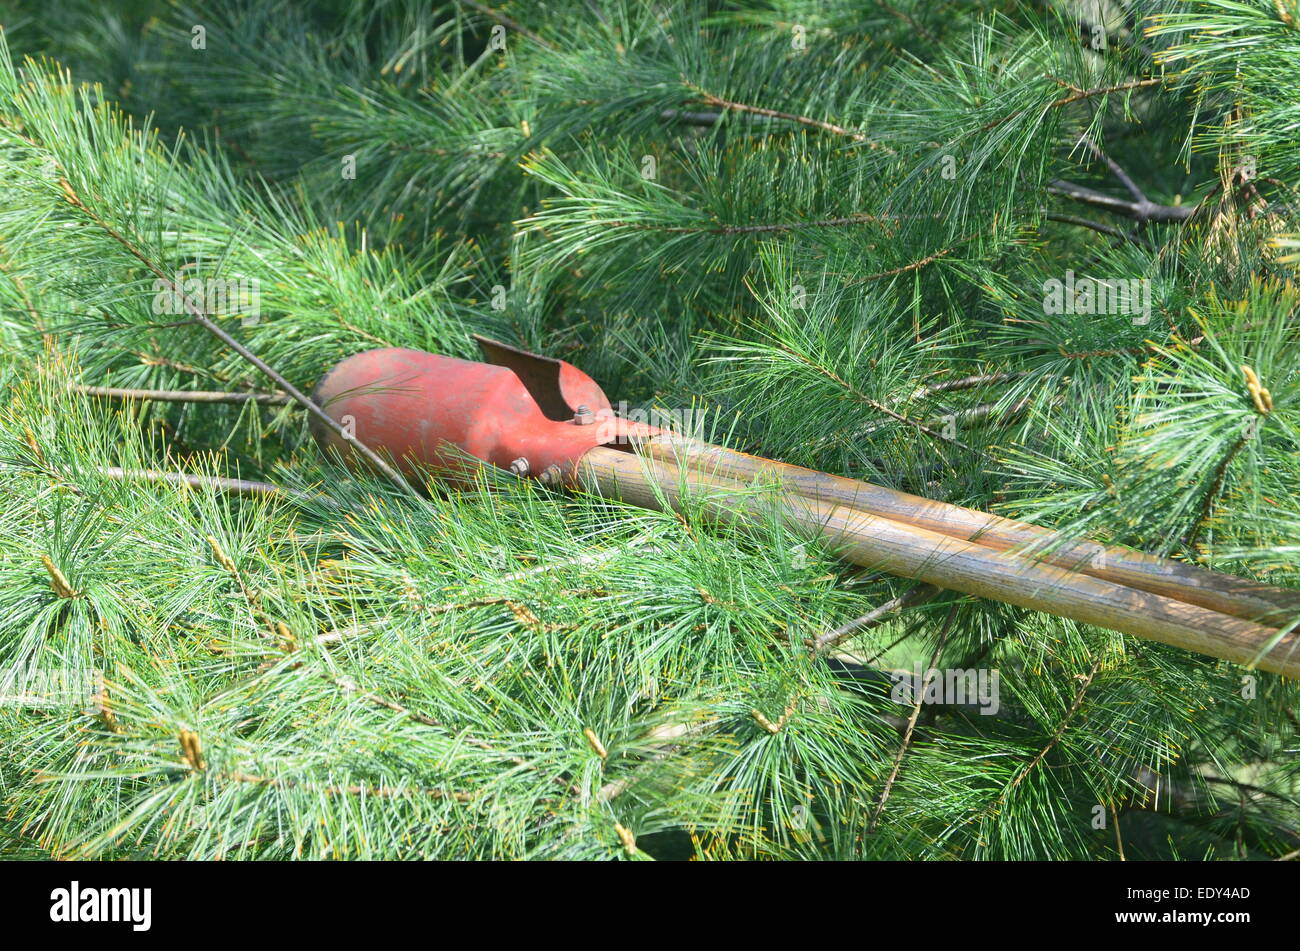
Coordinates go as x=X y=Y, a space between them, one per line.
x=664 y=745
x=1212 y=493
x=769 y=228
x=1141 y=209
x=1076 y=95
x=1119 y=838
x=211 y=327
x=965 y=417
x=1091 y=354
x=1092 y=198
x=1085 y=681
x=1123 y=176
x=915 y=265
x=874 y=404
x=348 y=685
x=908 y=19
x=689 y=117
x=154 y=360
x=586 y=560
x=1142 y=212
x=21 y=287
x=194 y=481
x=1251 y=788
x=251 y=598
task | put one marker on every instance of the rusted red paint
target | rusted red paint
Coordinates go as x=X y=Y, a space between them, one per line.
x=426 y=411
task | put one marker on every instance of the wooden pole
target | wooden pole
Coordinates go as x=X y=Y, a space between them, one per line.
x=912 y=551
x=1237 y=597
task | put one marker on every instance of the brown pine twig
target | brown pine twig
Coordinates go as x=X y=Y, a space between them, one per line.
x=874 y=404
x=874 y=618
x=380 y=792
x=906 y=268
x=1212 y=493
x=183 y=396
x=711 y=100
x=218 y=483
x=765 y=228
x=1098 y=227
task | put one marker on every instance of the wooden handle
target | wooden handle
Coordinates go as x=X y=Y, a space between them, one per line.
x=1238 y=597
x=957 y=564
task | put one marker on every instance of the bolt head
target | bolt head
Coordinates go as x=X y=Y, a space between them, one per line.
x=551 y=475
x=520 y=467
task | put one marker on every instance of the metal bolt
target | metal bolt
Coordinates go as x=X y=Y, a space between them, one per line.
x=551 y=475
x=520 y=467
x=584 y=416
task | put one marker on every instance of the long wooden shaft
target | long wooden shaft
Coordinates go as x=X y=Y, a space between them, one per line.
x=957 y=564
x=1238 y=597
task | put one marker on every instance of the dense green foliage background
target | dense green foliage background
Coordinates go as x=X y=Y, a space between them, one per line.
x=814 y=220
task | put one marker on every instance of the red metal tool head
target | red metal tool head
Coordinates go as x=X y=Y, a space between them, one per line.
x=530 y=414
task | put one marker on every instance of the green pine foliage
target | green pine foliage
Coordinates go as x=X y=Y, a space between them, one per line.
x=830 y=225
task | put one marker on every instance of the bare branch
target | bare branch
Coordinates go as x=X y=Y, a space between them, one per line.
x=1098 y=227
x=183 y=396
x=874 y=618
x=967 y=382
x=1141 y=209
x=1138 y=195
